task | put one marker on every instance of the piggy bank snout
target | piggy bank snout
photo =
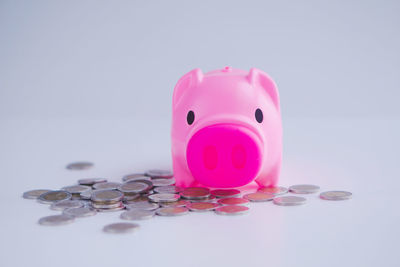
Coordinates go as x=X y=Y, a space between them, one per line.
x=224 y=155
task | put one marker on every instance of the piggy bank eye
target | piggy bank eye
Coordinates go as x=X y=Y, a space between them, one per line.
x=190 y=117
x=259 y=115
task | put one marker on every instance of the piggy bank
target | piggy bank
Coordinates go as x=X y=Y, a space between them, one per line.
x=226 y=129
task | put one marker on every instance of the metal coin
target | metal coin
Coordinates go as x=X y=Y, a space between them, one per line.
x=169 y=189
x=80 y=212
x=233 y=201
x=304 y=189
x=34 y=194
x=172 y=211
x=231 y=210
x=335 y=195
x=141 y=198
x=105 y=196
x=135 y=176
x=106 y=185
x=66 y=204
x=164 y=198
x=120 y=228
x=133 y=187
x=79 y=166
x=202 y=206
x=279 y=190
x=159 y=173
x=130 y=197
x=259 y=197
x=86 y=194
x=76 y=189
x=210 y=198
x=112 y=210
x=54 y=196
x=137 y=214
x=195 y=193
x=222 y=193
x=56 y=220
x=179 y=203
x=142 y=206
x=106 y=206
x=91 y=181
x=289 y=201
x=163 y=182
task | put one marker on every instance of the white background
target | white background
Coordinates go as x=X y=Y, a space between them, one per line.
x=93 y=80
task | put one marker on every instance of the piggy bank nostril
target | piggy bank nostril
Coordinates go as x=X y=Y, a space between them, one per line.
x=239 y=157
x=210 y=157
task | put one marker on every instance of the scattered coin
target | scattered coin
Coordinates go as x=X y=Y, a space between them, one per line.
x=56 y=220
x=172 y=211
x=259 y=197
x=107 y=196
x=135 y=176
x=164 y=197
x=289 y=201
x=159 y=174
x=108 y=209
x=34 y=194
x=120 y=228
x=231 y=210
x=233 y=201
x=202 y=206
x=137 y=214
x=169 y=189
x=179 y=203
x=79 y=166
x=304 y=189
x=335 y=195
x=77 y=189
x=86 y=194
x=106 y=185
x=130 y=198
x=163 y=182
x=142 y=206
x=133 y=187
x=279 y=190
x=80 y=212
x=91 y=181
x=222 y=193
x=106 y=206
x=54 y=196
x=210 y=198
x=66 y=204
x=195 y=193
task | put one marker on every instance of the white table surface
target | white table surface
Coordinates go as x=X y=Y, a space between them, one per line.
x=359 y=155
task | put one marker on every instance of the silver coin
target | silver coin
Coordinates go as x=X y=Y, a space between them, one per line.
x=222 y=193
x=195 y=193
x=121 y=228
x=279 y=190
x=106 y=206
x=79 y=165
x=179 y=203
x=80 y=212
x=202 y=206
x=66 y=204
x=304 y=189
x=163 y=182
x=136 y=214
x=130 y=197
x=91 y=181
x=133 y=187
x=159 y=173
x=335 y=195
x=135 y=176
x=289 y=201
x=56 y=220
x=121 y=207
x=86 y=194
x=143 y=205
x=105 y=196
x=106 y=185
x=76 y=189
x=233 y=201
x=231 y=210
x=34 y=194
x=169 y=189
x=54 y=196
x=259 y=197
x=210 y=198
x=164 y=198
x=172 y=211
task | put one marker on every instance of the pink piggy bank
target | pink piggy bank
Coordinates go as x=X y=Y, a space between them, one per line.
x=226 y=129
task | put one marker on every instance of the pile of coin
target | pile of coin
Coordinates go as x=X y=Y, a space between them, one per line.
x=144 y=195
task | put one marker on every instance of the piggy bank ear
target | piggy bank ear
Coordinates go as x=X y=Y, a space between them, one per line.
x=259 y=78
x=189 y=80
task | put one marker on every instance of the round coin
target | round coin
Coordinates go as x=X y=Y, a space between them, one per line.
x=107 y=196
x=120 y=228
x=86 y=194
x=135 y=176
x=289 y=201
x=133 y=187
x=91 y=181
x=163 y=182
x=233 y=201
x=159 y=173
x=304 y=189
x=106 y=185
x=121 y=207
x=179 y=203
x=80 y=212
x=137 y=214
x=143 y=205
x=169 y=189
x=79 y=165
x=77 y=189
x=172 y=211
x=54 y=196
x=195 y=193
x=335 y=195
x=259 y=197
x=66 y=204
x=202 y=206
x=231 y=210
x=106 y=206
x=56 y=220
x=164 y=198
x=34 y=194
x=223 y=193
x=279 y=190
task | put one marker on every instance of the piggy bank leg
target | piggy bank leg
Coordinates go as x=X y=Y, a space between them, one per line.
x=183 y=177
x=271 y=178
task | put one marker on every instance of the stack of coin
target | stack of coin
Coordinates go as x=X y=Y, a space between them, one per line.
x=107 y=200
